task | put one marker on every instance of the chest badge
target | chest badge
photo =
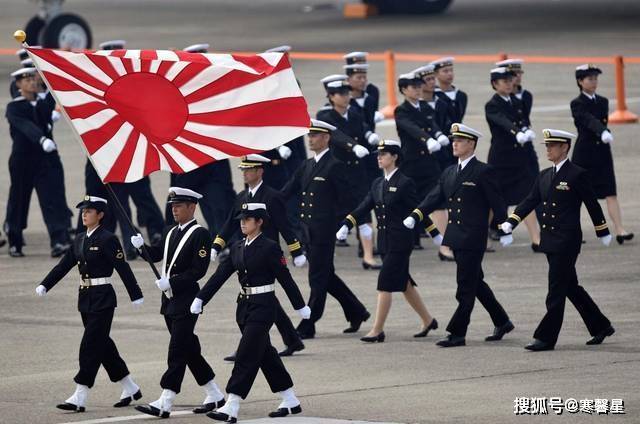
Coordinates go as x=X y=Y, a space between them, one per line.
x=393 y=189
x=563 y=186
x=318 y=179
x=202 y=253
x=469 y=183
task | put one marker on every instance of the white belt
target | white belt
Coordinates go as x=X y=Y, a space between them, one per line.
x=87 y=282
x=259 y=290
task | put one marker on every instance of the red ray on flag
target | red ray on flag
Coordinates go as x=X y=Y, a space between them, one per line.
x=140 y=111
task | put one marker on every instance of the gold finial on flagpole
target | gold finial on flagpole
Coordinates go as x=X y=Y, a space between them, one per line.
x=20 y=36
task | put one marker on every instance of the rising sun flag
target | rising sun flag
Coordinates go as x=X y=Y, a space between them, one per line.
x=140 y=111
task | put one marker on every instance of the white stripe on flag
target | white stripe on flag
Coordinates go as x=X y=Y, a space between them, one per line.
x=167 y=55
x=164 y=164
x=117 y=65
x=75 y=98
x=185 y=163
x=136 y=168
x=205 y=77
x=227 y=61
x=175 y=70
x=82 y=61
x=276 y=86
x=271 y=58
x=207 y=150
x=48 y=67
x=94 y=121
x=259 y=138
x=104 y=158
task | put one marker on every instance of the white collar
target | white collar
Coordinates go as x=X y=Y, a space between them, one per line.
x=505 y=98
x=559 y=165
x=183 y=226
x=318 y=156
x=92 y=231
x=247 y=242
x=466 y=161
x=415 y=105
x=254 y=190
x=390 y=174
x=591 y=96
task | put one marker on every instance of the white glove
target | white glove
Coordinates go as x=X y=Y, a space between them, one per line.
x=606 y=240
x=163 y=283
x=378 y=116
x=433 y=145
x=373 y=139
x=55 y=116
x=342 y=233
x=41 y=290
x=409 y=222
x=366 y=231
x=196 y=306
x=443 y=140
x=284 y=152
x=138 y=302
x=506 y=240
x=521 y=138
x=437 y=240
x=360 y=151
x=47 y=144
x=530 y=134
x=137 y=241
x=606 y=137
x=506 y=227
x=299 y=261
x=305 y=313
x=214 y=255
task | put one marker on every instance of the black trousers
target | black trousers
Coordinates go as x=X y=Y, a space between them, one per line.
x=256 y=352
x=148 y=212
x=563 y=284
x=184 y=351
x=97 y=348
x=471 y=285
x=285 y=327
x=323 y=280
x=46 y=175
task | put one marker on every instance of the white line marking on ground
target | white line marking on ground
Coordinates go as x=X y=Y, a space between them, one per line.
x=288 y=420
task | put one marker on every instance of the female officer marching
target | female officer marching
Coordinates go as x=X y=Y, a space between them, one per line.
x=96 y=253
x=258 y=261
x=393 y=197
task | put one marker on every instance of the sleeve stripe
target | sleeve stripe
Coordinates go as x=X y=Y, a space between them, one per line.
x=352 y=220
x=220 y=241
x=601 y=227
x=431 y=228
x=294 y=246
x=419 y=213
x=516 y=217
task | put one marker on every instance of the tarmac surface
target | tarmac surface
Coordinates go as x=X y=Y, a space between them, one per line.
x=403 y=380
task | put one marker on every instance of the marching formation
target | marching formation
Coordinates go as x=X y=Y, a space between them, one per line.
x=428 y=183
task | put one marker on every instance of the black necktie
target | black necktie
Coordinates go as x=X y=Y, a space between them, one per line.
x=459 y=168
x=250 y=195
x=555 y=171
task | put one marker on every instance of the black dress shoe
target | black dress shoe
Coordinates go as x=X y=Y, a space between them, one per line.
x=342 y=243
x=494 y=235
x=231 y=358
x=599 y=338
x=539 y=346
x=152 y=410
x=283 y=412
x=499 y=332
x=432 y=326
x=536 y=248
x=451 y=341
x=627 y=237
x=131 y=255
x=208 y=407
x=219 y=416
x=418 y=247
x=127 y=401
x=374 y=339
x=446 y=258
x=290 y=350
x=373 y=266
x=355 y=325
x=70 y=407
x=14 y=252
x=490 y=249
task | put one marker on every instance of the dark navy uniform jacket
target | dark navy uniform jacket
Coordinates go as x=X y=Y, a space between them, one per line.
x=276 y=224
x=190 y=266
x=95 y=257
x=393 y=201
x=457 y=107
x=258 y=264
x=28 y=123
x=326 y=197
x=469 y=196
x=561 y=198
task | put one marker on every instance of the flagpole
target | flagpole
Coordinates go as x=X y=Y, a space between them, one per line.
x=20 y=36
